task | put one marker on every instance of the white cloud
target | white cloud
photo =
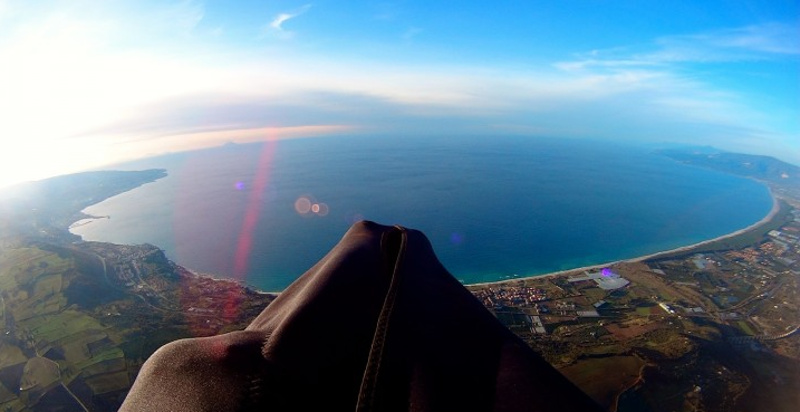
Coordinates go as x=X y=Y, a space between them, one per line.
x=669 y=80
x=276 y=26
x=611 y=63
x=756 y=42
x=81 y=65
x=96 y=87
x=770 y=38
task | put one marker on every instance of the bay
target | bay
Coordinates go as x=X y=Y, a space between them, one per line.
x=493 y=207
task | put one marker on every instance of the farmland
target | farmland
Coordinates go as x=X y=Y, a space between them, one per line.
x=62 y=346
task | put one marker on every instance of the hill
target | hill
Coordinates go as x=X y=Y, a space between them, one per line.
x=765 y=168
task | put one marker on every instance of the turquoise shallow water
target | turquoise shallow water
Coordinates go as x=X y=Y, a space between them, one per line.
x=492 y=207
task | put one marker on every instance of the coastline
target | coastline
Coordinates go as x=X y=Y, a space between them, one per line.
x=215 y=278
x=85 y=221
x=766 y=219
x=776 y=207
x=88 y=218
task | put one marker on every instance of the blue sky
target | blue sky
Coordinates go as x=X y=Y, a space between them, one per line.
x=87 y=83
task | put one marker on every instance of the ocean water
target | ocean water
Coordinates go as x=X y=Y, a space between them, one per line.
x=492 y=207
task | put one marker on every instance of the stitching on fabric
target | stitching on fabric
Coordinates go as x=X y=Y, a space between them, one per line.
x=370 y=380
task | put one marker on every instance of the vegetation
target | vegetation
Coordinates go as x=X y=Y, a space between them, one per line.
x=79 y=318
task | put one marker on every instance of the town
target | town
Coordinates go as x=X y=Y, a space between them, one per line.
x=650 y=321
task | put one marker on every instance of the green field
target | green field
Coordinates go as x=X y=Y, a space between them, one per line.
x=745 y=327
x=32 y=282
x=39 y=373
x=52 y=328
x=109 y=382
x=10 y=355
x=604 y=378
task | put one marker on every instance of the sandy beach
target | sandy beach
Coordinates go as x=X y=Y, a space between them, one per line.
x=774 y=211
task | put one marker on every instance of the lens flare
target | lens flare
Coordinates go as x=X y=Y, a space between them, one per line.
x=245 y=242
x=322 y=209
x=302 y=205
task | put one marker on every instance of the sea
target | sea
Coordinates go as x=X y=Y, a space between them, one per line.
x=494 y=208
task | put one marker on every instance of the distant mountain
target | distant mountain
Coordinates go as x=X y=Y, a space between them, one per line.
x=759 y=167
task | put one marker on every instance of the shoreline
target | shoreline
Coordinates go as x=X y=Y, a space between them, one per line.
x=215 y=278
x=766 y=219
x=88 y=218
x=776 y=207
x=85 y=221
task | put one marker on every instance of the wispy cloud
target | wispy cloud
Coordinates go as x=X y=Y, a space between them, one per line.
x=102 y=86
x=584 y=63
x=733 y=44
x=185 y=16
x=755 y=42
x=411 y=32
x=675 y=78
x=276 y=26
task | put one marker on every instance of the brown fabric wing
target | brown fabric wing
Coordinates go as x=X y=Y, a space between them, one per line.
x=376 y=325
